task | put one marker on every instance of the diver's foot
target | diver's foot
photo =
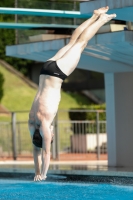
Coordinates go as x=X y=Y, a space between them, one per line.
x=100 y=11
x=104 y=18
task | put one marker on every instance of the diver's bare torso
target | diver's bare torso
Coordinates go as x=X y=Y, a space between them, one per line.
x=46 y=102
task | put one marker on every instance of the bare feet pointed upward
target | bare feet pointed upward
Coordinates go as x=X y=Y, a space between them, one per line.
x=104 y=18
x=100 y=11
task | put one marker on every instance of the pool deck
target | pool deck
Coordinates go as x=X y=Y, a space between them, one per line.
x=88 y=168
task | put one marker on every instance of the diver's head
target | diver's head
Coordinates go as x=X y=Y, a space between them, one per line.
x=37 y=139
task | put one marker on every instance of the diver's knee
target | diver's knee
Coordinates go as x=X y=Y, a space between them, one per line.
x=81 y=44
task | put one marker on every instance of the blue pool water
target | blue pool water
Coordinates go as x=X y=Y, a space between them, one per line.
x=28 y=190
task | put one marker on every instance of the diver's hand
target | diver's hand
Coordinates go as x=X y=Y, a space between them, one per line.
x=37 y=178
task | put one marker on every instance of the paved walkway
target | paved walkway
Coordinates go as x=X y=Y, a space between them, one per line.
x=65 y=157
x=72 y=162
x=81 y=157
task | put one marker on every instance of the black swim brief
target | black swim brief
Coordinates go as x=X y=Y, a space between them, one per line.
x=50 y=68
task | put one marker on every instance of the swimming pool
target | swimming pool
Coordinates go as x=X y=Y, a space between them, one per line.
x=29 y=190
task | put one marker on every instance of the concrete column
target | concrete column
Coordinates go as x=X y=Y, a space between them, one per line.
x=119 y=101
x=110 y=109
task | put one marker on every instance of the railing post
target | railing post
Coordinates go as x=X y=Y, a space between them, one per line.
x=74 y=8
x=97 y=125
x=14 y=145
x=53 y=7
x=16 y=21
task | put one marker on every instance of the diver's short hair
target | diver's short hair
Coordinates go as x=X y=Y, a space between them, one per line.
x=37 y=138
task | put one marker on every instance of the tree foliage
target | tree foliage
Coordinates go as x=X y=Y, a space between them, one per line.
x=7 y=36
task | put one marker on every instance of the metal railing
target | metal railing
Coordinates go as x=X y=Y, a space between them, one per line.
x=54 y=4
x=22 y=36
x=72 y=137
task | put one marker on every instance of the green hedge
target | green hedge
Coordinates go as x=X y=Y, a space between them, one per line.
x=76 y=114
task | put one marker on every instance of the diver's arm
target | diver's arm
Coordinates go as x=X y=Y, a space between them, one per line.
x=37 y=159
x=52 y=133
x=46 y=135
x=36 y=154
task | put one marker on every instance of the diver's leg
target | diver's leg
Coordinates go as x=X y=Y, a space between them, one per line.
x=78 y=31
x=69 y=61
